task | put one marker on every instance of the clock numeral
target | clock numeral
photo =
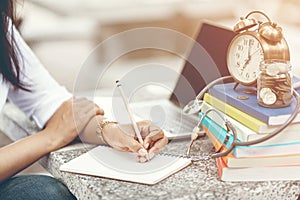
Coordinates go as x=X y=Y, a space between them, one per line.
x=245 y=42
x=241 y=72
x=251 y=42
x=247 y=75
x=240 y=47
x=258 y=45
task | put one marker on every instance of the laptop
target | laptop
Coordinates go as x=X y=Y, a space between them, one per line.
x=202 y=66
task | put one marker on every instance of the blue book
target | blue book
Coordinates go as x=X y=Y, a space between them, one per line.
x=271 y=116
x=258 y=150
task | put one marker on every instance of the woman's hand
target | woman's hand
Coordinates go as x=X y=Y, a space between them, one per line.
x=69 y=120
x=122 y=137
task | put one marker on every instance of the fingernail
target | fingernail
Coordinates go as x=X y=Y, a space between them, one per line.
x=142 y=152
x=147 y=145
x=151 y=155
x=142 y=159
x=148 y=157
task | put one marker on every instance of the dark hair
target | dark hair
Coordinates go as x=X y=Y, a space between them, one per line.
x=9 y=52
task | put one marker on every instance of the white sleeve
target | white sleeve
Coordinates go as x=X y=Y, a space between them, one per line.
x=45 y=95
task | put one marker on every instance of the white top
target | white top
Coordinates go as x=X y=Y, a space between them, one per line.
x=46 y=94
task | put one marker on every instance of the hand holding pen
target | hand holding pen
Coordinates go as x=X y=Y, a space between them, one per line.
x=135 y=127
x=154 y=138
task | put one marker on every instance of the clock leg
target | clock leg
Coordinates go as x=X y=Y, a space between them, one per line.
x=235 y=86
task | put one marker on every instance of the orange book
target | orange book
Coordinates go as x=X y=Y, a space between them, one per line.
x=217 y=144
x=220 y=165
x=257 y=173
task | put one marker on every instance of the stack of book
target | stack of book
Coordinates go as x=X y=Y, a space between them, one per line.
x=275 y=159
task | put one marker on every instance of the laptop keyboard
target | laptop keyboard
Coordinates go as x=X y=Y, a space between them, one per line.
x=166 y=116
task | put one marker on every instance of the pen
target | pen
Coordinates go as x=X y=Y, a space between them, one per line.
x=135 y=127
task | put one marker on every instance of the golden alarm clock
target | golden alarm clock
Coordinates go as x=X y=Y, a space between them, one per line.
x=255 y=42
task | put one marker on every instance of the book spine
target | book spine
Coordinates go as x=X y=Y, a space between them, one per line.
x=288 y=135
x=217 y=144
x=285 y=173
x=220 y=165
x=243 y=133
x=278 y=120
x=266 y=161
x=267 y=150
x=217 y=131
x=213 y=130
x=242 y=117
x=221 y=95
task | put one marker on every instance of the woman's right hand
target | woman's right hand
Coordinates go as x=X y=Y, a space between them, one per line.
x=69 y=120
x=122 y=137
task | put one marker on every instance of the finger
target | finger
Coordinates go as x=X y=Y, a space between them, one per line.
x=88 y=107
x=155 y=135
x=144 y=123
x=144 y=127
x=137 y=148
x=134 y=146
x=88 y=110
x=98 y=110
x=141 y=159
x=157 y=147
x=89 y=114
x=82 y=119
x=82 y=105
x=144 y=131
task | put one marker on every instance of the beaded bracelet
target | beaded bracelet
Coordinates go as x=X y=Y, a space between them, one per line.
x=100 y=127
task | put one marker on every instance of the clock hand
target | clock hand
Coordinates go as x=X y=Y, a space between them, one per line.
x=249 y=50
x=248 y=58
x=254 y=52
x=245 y=64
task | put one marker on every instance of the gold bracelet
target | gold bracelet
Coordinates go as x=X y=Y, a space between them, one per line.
x=100 y=127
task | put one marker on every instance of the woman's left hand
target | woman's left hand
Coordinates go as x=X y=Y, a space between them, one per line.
x=122 y=137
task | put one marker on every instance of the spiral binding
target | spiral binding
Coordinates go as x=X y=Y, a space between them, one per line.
x=173 y=155
x=193 y=158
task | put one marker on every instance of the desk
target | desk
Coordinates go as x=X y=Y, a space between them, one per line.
x=128 y=11
x=197 y=181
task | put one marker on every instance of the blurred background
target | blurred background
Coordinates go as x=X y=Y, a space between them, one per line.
x=63 y=33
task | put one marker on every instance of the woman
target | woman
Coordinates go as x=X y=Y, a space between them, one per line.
x=25 y=82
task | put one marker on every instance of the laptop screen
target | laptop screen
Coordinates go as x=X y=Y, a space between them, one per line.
x=204 y=64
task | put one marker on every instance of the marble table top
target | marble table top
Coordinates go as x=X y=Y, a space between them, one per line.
x=197 y=181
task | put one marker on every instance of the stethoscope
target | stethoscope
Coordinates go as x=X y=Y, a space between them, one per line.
x=194 y=107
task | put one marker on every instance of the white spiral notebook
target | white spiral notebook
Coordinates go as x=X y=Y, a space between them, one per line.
x=106 y=162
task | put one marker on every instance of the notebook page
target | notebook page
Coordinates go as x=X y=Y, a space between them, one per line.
x=106 y=162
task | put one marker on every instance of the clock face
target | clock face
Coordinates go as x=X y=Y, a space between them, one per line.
x=243 y=59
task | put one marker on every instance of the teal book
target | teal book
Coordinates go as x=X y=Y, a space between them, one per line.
x=249 y=104
x=258 y=150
